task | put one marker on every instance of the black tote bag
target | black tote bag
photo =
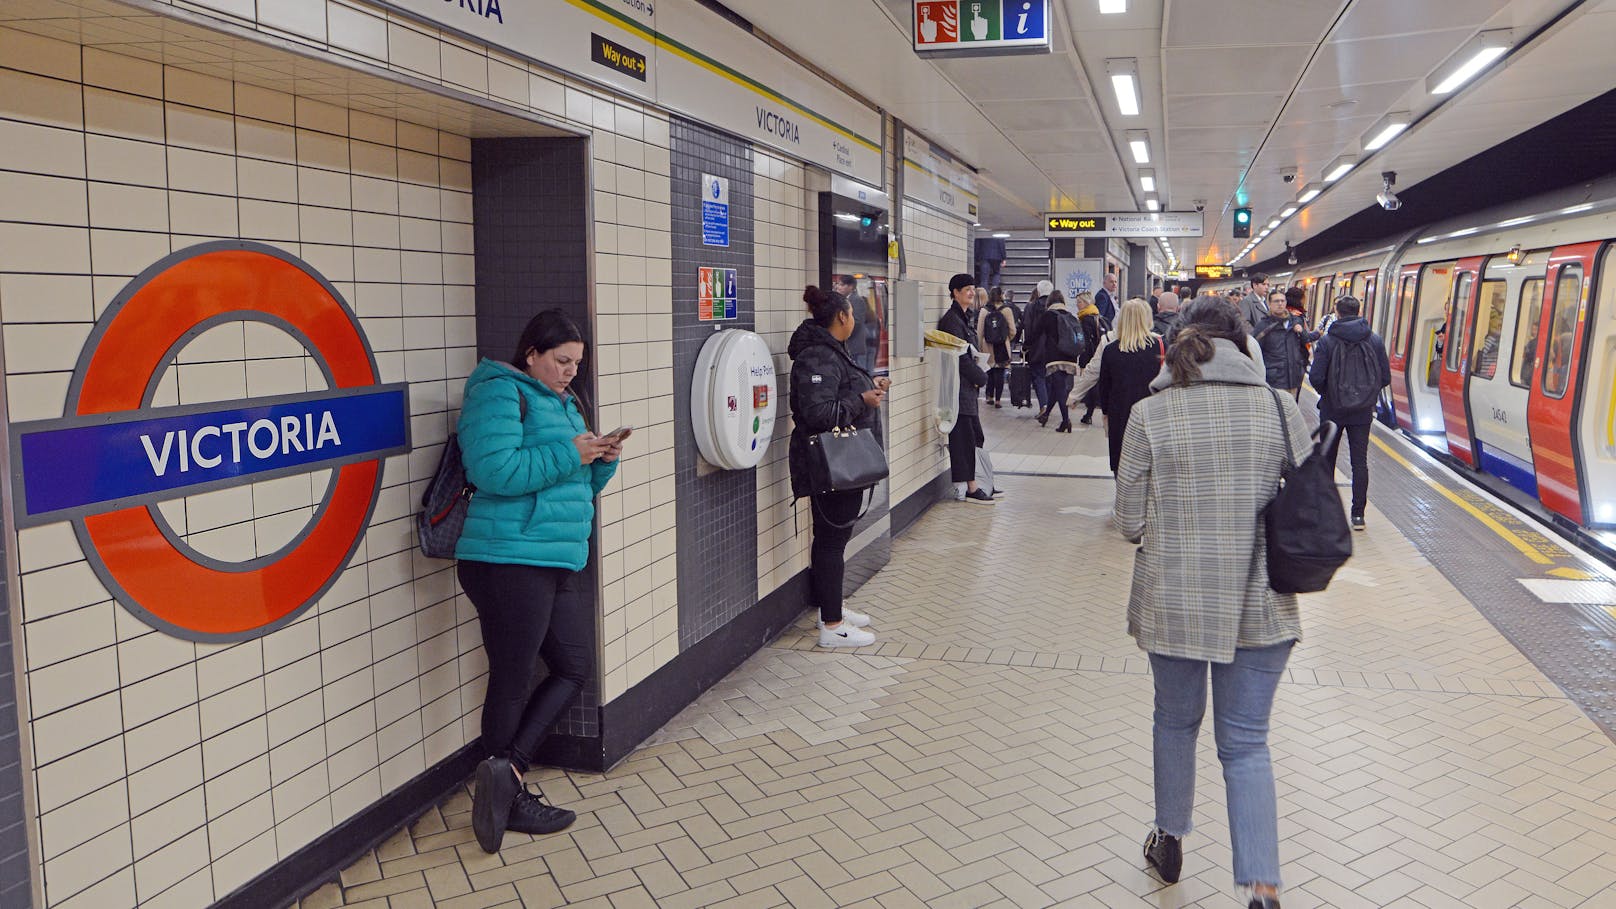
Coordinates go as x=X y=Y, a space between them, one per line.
x=844 y=459
x=1308 y=536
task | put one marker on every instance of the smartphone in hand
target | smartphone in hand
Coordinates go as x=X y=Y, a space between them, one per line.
x=617 y=435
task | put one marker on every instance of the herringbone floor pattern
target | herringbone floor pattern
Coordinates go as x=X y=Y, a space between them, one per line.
x=993 y=749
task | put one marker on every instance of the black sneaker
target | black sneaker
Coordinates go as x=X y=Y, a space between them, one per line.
x=491 y=800
x=1357 y=522
x=980 y=497
x=531 y=814
x=1165 y=853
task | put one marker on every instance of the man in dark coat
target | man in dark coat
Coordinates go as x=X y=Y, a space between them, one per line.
x=1348 y=332
x=866 y=328
x=967 y=435
x=1283 y=338
x=1105 y=299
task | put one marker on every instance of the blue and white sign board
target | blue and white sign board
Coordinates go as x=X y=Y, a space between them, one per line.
x=714 y=210
x=1075 y=276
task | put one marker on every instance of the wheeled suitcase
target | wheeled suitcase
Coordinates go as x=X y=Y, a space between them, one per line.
x=1020 y=385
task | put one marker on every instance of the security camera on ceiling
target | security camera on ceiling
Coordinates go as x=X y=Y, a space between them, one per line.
x=1290 y=254
x=1200 y=205
x=1388 y=199
x=1288 y=174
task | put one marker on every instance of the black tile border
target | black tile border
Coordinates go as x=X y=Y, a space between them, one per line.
x=311 y=867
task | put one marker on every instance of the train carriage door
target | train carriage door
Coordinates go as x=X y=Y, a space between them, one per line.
x=1402 y=331
x=1455 y=359
x=1495 y=389
x=1596 y=410
x=1556 y=392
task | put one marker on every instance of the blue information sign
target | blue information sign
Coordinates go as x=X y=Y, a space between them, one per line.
x=78 y=464
x=714 y=210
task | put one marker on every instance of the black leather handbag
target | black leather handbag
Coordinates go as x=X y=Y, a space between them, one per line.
x=845 y=459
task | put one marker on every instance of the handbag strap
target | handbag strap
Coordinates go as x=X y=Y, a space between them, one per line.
x=813 y=502
x=1284 y=429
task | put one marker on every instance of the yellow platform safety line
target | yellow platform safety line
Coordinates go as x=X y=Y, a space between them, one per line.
x=1509 y=536
x=1574 y=574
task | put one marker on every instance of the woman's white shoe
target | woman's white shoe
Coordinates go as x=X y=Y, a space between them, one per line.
x=845 y=635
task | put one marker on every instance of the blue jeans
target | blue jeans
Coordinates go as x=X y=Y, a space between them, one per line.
x=1243 y=698
x=1040 y=388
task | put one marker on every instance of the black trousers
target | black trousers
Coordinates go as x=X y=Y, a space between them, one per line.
x=527 y=612
x=1060 y=388
x=995 y=391
x=963 y=440
x=1358 y=448
x=827 y=557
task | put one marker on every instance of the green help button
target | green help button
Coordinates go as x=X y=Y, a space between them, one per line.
x=756 y=423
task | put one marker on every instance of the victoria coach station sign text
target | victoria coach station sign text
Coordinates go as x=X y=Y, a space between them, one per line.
x=112 y=457
x=1140 y=224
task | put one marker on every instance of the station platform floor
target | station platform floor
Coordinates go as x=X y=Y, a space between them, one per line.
x=1440 y=738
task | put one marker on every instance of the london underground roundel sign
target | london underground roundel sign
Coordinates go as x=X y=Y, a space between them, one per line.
x=107 y=463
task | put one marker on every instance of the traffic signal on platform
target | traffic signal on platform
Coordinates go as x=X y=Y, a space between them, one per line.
x=1242 y=223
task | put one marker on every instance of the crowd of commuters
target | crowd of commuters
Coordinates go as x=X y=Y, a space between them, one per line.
x=1197 y=393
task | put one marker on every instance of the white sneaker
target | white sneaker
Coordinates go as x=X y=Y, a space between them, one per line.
x=856 y=619
x=845 y=635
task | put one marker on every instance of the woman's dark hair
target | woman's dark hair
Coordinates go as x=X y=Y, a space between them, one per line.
x=1295 y=296
x=546 y=331
x=1204 y=321
x=824 y=305
x=1055 y=298
x=996 y=297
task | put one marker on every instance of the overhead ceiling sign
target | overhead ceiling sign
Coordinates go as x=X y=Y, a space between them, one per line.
x=1214 y=271
x=981 y=27
x=933 y=177
x=1138 y=224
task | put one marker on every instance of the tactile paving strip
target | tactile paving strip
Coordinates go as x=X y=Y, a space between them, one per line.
x=1570 y=642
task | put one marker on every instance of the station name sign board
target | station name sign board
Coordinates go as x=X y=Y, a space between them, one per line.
x=1214 y=271
x=980 y=27
x=1137 y=224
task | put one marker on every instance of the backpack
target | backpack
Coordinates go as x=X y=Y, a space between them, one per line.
x=1353 y=386
x=446 y=499
x=1069 y=341
x=1308 y=536
x=995 y=329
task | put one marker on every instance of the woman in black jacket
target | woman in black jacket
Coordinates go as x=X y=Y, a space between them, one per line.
x=1127 y=368
x=828 y=390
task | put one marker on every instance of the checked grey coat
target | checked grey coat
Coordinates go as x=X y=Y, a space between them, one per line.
x=1199 y=462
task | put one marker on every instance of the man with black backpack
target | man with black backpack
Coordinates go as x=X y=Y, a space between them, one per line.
x=1349 y=370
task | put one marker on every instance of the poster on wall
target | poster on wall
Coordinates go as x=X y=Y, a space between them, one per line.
x=714 y=211
x=717 y=293
x=1075 y=276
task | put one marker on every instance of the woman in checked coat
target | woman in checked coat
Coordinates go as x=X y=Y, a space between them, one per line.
x=1199 y=461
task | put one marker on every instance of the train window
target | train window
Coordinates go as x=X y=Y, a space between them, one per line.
x=1562 y=331
x=1405 y=303
x=1526 y=319
x=1458 y=316
x=1489 y=329
x=1366 y=303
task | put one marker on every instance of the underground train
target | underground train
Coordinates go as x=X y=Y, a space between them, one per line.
x=1501 y=329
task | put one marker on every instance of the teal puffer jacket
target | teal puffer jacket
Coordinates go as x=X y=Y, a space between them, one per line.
x=535 y=501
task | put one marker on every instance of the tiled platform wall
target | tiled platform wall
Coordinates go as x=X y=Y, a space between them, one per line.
x=168 y=773
x=936 y=248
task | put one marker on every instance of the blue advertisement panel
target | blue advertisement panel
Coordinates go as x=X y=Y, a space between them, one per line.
x=82 y=463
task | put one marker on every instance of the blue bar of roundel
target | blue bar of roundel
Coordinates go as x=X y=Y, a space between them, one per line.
x=86 y=465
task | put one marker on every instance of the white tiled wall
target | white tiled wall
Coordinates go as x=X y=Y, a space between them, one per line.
x=935 y=245
x=167 y=772
x=170 y=773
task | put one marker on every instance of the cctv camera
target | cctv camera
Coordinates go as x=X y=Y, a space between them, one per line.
x=1288 y=174
x=1200 y=205
x=1290 y=254
x=1388 y=199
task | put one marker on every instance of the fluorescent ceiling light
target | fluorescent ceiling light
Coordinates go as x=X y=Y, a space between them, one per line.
x=1339 y=167
x=1387 y=129
x=1471 y=59
x=1002 y=236
x=1288 y=210
x=1309 y=193
x=1152 y=203
x=1272 y=224
x=1139 y=144
x=1124 y=72
x=844 y=216
x=1424 y=240
x=1147 y=180
x=1111 y=7
x=1512 y=222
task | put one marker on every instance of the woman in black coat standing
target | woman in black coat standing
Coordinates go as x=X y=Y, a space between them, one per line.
x=830 y=390
x=1126 y=370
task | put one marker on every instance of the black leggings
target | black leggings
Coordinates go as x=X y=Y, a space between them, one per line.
x=1060 y=387
x=828 y=555
x=526 y=612
x=995 y=390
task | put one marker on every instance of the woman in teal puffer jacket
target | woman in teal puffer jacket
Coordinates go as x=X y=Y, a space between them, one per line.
x=537 y=468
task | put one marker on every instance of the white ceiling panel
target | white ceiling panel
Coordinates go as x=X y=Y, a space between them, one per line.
x=1383 y=59
x=1268 y=69
x=1014 y=78
x=1338 y=132
x=1214 y=139
x=1382 y=18
x=1069 y=140
x=1223 y=110
x=1041 y=116
x=1337 y=101
x=1255 y=23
